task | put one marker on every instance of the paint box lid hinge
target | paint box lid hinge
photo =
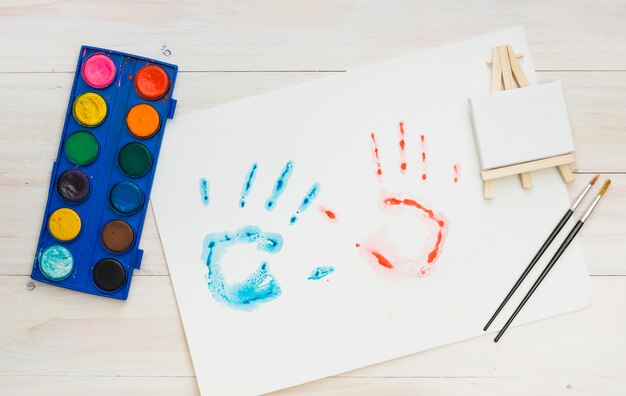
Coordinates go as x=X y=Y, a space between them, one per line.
x=138 y=258
x=172 y=109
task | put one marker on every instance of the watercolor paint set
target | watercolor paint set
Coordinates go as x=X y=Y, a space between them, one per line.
x=103 y=173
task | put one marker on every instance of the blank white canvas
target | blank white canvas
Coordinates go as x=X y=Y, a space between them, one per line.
x=360 y=314
x=521 y=125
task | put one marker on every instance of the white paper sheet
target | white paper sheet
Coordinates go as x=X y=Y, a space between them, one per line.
x=362 y=313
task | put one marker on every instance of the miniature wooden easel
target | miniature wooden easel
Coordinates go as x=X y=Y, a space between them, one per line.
x=507 y=73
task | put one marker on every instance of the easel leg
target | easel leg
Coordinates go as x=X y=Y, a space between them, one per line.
x=566 y=173
x=489 y=189
x=526 y=179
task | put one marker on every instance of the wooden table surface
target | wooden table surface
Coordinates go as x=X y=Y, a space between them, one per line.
x=57 y=342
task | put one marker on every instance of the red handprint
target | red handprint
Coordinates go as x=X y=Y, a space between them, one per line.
x=381 y=251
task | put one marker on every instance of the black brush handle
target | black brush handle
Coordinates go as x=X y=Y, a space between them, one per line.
x=559 y=252
x=530 y=266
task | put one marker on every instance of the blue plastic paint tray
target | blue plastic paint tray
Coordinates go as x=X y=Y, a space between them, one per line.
x=101 y=179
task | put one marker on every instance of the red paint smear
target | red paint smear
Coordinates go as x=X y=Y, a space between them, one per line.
x=382 y=260
x=409 y=202
x=332 y=217
x=357 y=244
x=457 y=172
x=424 y=165
x=401 y=143
x=432 y=256
x=379 y=169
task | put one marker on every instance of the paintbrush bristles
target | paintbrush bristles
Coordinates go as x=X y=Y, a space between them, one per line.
x=593 y=181
x=604 y=187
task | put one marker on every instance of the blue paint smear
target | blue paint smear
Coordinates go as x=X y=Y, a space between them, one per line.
x=321 y=272
x=306 y=202
x=258 y=288
x=280 y=186
x=204 y=191
x=247 y=184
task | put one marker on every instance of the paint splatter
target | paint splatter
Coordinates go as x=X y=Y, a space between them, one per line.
x=306 y=201
x=330 y=214
x=424 y=163
x=401 y=144
x=259 y=287
x=321 y=272
x=204 y=191
x=376 y=157
x=456 y=168
x=247 y=184
x=382 y=260
x=279 y=187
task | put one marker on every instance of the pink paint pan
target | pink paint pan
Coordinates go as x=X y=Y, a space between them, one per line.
x=99 y=71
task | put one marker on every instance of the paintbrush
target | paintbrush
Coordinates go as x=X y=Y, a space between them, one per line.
x=543 y=248
x=559 y=252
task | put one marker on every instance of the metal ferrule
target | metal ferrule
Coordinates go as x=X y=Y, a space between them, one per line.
x=591 y=208
x=580 y=198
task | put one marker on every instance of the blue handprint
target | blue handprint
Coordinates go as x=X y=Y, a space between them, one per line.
x=261 y=286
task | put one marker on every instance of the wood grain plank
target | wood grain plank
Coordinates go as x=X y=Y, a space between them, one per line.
x=523 y=386
x=98 y=385
x=186 y=386
x=49 y=331
x=308 y=35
